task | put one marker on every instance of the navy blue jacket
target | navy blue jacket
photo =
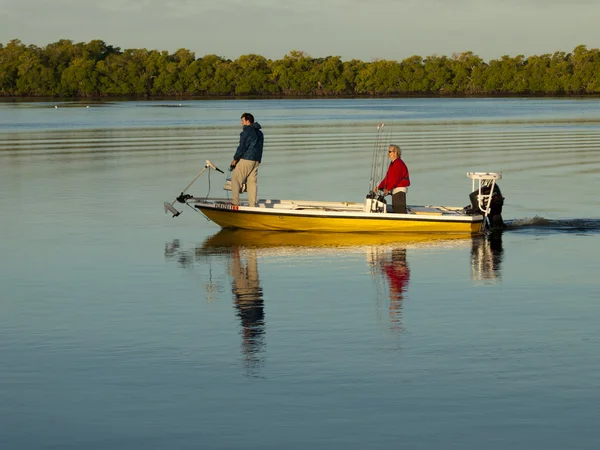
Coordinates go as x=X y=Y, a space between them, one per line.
x=251 y=143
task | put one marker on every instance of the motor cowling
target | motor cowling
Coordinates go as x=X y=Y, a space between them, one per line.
x=494 y=218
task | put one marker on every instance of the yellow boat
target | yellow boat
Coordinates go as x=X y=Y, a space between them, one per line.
x=338 y=217
x=372 y=216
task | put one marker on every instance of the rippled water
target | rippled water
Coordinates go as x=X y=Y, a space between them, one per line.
x=121 y=327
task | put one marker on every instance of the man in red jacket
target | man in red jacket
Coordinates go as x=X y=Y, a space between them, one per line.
x=396 y=180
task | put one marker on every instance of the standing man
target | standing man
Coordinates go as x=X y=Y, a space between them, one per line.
x=396 y=180
x=246 y=160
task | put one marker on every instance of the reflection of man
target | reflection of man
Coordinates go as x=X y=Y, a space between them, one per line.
x=398 y=274
x=249 y=303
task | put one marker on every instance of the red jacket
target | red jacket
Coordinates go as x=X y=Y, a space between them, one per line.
x=396 y=176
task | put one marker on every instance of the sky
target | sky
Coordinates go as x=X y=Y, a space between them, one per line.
x=352 y=29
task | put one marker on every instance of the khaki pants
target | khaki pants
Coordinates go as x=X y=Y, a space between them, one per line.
x=245 y=171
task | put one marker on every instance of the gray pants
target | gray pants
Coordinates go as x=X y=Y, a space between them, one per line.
x=245 y=171
x=399 y=202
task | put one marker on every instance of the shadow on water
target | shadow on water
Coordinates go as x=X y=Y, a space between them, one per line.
x=386 y=256
x=540 y=225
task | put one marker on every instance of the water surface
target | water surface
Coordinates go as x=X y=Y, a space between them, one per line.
x=122 y=327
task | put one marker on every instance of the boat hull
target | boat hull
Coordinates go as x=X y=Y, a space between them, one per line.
x=266 y=220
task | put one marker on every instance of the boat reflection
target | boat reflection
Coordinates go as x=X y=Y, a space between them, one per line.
x=311 y=241
x=486 y=258
x=242 y=270
x=386 y=255
x=387 y=258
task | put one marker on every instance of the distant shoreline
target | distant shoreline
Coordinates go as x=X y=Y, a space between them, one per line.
x=24 y=99
x=96 y=70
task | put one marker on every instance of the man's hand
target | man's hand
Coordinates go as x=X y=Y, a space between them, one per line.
x=232 y=165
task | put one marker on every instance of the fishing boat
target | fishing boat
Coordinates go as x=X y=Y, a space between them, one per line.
x=372 y=215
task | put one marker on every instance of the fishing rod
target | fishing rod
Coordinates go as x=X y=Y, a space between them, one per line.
x=385 y=144
x=380 y=156
x=372 y=180
x=182 y=198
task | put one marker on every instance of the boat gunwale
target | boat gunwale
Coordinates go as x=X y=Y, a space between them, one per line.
x=355 y=215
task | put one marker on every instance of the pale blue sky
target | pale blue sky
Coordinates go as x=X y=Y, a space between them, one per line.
x=361 y=29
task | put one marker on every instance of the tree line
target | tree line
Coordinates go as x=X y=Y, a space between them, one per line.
x=96 y=69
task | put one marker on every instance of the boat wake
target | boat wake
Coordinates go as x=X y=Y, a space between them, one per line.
x=543 y=225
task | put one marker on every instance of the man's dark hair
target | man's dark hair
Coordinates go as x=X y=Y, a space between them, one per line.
x=249 y=117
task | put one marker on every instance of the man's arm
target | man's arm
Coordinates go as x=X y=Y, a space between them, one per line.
x=241 y=150
x=242 y=147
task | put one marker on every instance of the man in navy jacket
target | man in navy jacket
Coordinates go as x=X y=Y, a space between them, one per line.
x=246 y=160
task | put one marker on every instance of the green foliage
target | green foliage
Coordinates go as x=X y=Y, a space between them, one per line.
x=251 y=75
x=69 y=69
x=467 y=71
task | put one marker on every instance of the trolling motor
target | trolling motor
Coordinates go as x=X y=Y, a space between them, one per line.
x=183 y=197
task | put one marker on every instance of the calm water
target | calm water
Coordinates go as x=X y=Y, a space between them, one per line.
x=124 y=328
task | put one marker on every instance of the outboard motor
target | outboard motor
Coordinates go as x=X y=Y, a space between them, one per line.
x=489 y=204
x=494 y=218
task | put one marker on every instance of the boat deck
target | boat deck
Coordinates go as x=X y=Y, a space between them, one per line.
x=315 y=205
x=311 y=215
